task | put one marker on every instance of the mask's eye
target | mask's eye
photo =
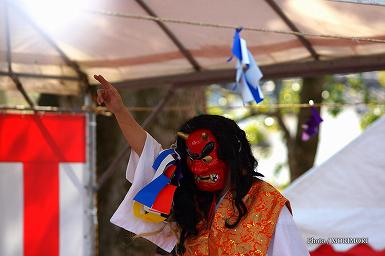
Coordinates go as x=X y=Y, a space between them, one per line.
x=207 y=159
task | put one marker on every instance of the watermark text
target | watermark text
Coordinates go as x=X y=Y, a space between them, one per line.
x=338 y=240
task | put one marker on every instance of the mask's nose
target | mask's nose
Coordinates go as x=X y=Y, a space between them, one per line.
x=197 y=167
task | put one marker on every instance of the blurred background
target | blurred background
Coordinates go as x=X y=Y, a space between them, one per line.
x=169 y=61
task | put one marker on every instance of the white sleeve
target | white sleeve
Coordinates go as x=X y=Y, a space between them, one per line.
x=139 y=173
x=286 y=240
x=143 y=164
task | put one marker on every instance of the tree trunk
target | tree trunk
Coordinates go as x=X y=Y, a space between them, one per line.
x=301 y=154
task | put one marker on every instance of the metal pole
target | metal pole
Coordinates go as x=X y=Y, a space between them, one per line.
x=44 y=109
x=83 y=77
x=40 y=76
x=8 y=46
x=368 y=2
x=91 y=207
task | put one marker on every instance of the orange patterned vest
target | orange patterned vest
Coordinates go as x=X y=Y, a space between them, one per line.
x=253 y=233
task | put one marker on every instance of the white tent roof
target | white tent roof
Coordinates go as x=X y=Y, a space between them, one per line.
x=137 y=53
x=345 y=196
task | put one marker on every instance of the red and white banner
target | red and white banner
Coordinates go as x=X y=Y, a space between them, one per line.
x=357 y=250
x=43 y=173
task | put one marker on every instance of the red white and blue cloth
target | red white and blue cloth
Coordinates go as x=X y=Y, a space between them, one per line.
x=248 y=73
x=156 y=197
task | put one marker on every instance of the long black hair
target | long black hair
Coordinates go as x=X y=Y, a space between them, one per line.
x=192 y=205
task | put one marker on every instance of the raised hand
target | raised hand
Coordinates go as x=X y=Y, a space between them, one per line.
x=108 y=95
x=132 y=131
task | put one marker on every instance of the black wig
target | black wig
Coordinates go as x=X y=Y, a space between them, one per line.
x=192 y=205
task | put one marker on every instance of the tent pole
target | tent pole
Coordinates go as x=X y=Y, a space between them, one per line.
x=367 y=2
x=185 y=52
x=91 y=212
x=82 y=76
x=125 y=150
x=42 y=76
x=53 y=109
x=12 y=75
x=293 y=27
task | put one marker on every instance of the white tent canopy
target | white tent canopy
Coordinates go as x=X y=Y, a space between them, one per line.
x=51 y=50
x=345 y=196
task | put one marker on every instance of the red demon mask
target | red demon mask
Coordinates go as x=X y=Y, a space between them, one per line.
x=209 y=171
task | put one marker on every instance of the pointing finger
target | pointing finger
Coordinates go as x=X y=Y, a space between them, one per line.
x=99 y=79
x=103 y=81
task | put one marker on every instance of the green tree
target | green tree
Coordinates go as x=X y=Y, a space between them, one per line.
x=329 y=89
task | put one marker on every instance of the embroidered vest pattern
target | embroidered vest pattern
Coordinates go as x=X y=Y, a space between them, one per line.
x=253 y=233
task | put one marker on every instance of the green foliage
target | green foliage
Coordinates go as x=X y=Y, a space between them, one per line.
x=356 y=82
x=352 y=88
x=262 y=107
x=336 y=95
x=216 y=111
x=226 y=103
x=278 y=168
x=257 y=119
x=257 y=136
x=254 y=134
x=372 y=115
x=289 y=94
x=381 y=78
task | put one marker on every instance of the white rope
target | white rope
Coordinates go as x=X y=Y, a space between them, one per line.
x=224 y=26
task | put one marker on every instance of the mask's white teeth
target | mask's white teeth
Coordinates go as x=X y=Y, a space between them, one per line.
x=214 y=177
x=210 y=178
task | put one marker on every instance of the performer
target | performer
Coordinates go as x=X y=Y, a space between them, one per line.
x=220 y=207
